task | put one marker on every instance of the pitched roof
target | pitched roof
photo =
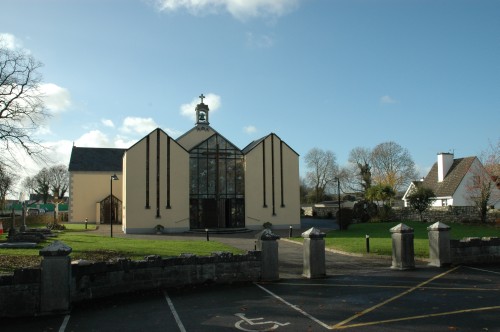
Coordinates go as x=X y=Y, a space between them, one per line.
x=96 y=159
x=451 y=181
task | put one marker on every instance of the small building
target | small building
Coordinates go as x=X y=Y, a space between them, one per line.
x=452 y=181
x=199 y=180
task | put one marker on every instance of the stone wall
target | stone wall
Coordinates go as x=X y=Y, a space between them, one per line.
x=447 y=214
x=20 y=293
x=474 y=250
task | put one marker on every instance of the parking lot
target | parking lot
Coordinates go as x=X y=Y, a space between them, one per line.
x=358 y=294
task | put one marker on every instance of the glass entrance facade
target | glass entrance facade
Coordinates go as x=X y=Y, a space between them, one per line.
x=216 y=185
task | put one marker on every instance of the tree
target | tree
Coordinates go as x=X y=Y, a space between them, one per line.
x=483 y=186
x=42 y=184
x=323 y=170
x=59 y=180
x=420 y=199
x=7 y=182
x=360 y=161
x=21 y=105
x=380 y=193
x=392 y=165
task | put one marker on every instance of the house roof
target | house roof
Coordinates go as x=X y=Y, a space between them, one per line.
x=96 y=159
x=451 y=181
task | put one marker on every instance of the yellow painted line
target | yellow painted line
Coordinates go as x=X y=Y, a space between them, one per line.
x=364 y=312
x=416 y=317
x=395 y=287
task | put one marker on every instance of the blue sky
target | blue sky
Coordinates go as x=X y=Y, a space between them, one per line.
x=328 y=74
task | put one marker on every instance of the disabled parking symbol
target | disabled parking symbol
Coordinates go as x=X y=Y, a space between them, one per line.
x=256 y=324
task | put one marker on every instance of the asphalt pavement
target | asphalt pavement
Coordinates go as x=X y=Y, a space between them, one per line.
x=359 y=293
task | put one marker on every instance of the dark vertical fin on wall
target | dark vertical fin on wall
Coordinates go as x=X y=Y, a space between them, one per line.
x=281 y=175
x=168 y=172
x=272 y=175
x=158 y=151
x=264 y=171
x=147 y=173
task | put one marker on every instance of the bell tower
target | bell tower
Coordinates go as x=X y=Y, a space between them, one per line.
x=202 y=115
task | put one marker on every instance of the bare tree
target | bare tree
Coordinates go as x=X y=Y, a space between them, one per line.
x=360 y=169
x=483 y=187
x=42 y=184
x=323 y=170
x=7 y=181
x=392 y=165
x=59 y=180
x=21 y=105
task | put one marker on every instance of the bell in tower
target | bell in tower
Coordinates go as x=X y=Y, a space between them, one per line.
x=202 y=114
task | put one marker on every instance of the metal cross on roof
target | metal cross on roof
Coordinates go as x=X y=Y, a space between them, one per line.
x=202 y=97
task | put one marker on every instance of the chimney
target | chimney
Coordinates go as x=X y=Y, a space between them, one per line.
x=445 y=160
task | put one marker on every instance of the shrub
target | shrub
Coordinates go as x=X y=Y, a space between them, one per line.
x=345 y=218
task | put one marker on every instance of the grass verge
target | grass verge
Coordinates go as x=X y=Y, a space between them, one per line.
x=94 y=247
x=354 y=239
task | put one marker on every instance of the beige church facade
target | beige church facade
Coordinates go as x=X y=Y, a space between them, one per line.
x=197 y=181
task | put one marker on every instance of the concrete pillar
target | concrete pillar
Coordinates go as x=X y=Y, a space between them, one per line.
x=439 y=244
x=55 y=278
x=403 y=256
x=314 y=254
x=266 y=242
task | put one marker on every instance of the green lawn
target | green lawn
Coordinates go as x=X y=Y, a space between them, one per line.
x=87 y=245
x=354 y=239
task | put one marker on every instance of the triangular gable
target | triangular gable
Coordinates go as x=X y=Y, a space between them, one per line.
x=161 y=130
x=255 y=143
x=218 y=135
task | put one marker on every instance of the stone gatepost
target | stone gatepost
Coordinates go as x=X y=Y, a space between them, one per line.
x=314 y=253
x=55 y=278
x=266 y=242
x=439 y=244
x=403 y=256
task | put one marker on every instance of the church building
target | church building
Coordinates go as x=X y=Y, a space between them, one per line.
x=198 y=181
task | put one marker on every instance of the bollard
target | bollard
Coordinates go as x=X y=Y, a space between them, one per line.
x=206 y=231
x=314 y=254
x=86 y=222
x=55 y=278
x=367 y=243
x=291 y=232
x=267 y=244
x=439 y=244
x=403 y=256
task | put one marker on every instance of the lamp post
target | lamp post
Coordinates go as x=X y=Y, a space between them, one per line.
x=338 y=201
x=113 y=178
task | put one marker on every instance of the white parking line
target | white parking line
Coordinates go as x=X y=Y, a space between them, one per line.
x=174 y=312
x=294 y=307
x=64 y=323
x=482 y=270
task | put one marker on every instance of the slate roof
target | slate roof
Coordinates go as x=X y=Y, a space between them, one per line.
x=451 y=181
x=96 y=159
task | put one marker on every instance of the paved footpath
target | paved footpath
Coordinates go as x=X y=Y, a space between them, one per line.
x=358 y=294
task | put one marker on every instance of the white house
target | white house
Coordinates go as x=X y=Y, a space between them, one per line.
x=452 y=181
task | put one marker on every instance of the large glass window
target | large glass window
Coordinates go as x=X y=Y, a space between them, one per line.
x=216 y=185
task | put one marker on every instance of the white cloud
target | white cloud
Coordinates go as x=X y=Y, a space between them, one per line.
x=240 y=9
x=262 y=41
x=212 y=100
x=249 y=129
x=138 y=125
x=388 y=100
x=94 y=138
x=108 y=123
x=56 y=98
x=9 y=41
